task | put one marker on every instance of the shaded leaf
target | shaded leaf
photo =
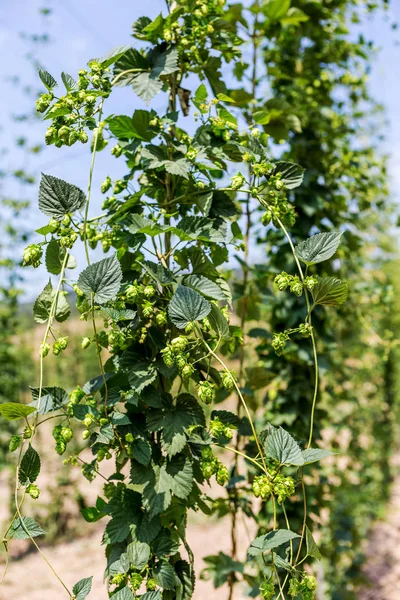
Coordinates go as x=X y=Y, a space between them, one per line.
x=58 y=198
x=102 y=279
x=187 y=306
x=30 y=467
x=25 y=528
x=312 y=548
x=318 y=248
x=330 y=291
x=270 y=541
x=47 y=79
x=280 y=446
x=82 y=589
x=292 y=174
x=312 y=455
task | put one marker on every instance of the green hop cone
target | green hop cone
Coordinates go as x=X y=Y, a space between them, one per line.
x=15 y=443
x=33 y=491
x=228 y=380
x=206 y=392
x=151 y=585
x=44 y=350
x=88 y=420
x=76 y=395
x=310 y=282
x=161 y=318
x=179 y=344
x=187 y=371
x=305 y=329
x=282 y=281
x=85 y=343
x=279 y=341
x=262 y=487
x=168 y=357
x=222 y=475
x=136 y=581
x=106 y=185
x=296 y=285
x=266 y=217
x=237 y=181
x=66 y=434
x=267 y=590
x=32 y=256
x=149 y=291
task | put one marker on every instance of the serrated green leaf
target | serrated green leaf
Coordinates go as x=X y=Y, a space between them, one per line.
x=122 y=127
x=69 y=82
x=120 y=315
x=129 y=61
x=42 y=307
x=151 y=596
x=51 y=399
x=30 y=467
x=58 y=198
x=141 y=451
x=138 y=554
x=292 y=174
x=47 y=79
x=204 y=286
x=270 y=541
x=113 y=55
x=164 y=574
x=174 y=420
x=276 y=9
x=146 y=87
x=330 y=291
x=280 y=446
x=218 y=322
x=102 y=279
x=179 y=167
x=318 y=248
x=25 y=529
x=124 y=594
x=12 y=410
x=186 y=575
x=312 y=548
x=187 y=306
x=158 y=272
x=54 y=257
x=164 y=62
x=312 y=455
x=83 y=588
x=142 y=374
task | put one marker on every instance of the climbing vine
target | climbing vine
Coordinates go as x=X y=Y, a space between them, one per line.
x=159 y=305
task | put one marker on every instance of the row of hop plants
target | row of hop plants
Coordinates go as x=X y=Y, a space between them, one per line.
x=171 y=225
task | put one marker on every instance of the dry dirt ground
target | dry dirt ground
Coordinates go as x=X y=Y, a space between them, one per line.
x=382 y=568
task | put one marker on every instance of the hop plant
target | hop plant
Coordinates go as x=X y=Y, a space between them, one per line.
x=206 y=392
x=267 y=590
x=279 y=342
x=237 y=181
x=136 y=581
x=296 y=285
x=228 y=380
x=32 y=256
x=310 y=282
x=282 y=281
x=222 y=474
x=262 y=487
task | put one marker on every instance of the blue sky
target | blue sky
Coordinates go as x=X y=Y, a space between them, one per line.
x=82 y=29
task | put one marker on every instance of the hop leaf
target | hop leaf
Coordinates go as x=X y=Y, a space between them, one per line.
x=102 y=279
